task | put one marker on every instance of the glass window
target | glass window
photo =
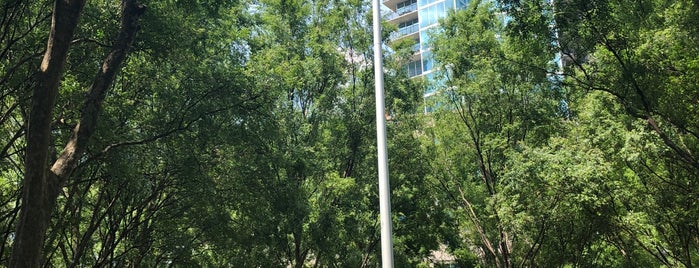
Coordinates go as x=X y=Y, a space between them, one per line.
x=461 y=3
x=427 y=61
x=441 y=11
x=423 y=3
x=414 y=68
x=424 y=15
x=435 y=81
x=407 y=23
x=424 y=40
x=432 y=14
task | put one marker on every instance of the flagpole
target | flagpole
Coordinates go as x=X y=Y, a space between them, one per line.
x=384 y=187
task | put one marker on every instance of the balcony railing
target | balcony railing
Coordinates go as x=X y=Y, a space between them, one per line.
x=406 y=9
x=413 y=28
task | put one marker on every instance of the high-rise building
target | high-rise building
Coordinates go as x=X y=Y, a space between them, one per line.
x=414 y=19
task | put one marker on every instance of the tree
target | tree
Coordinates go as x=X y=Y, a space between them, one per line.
x=498 y=100
x=155 y=97
x=639 y=54
x=41 y=186
x=601 y=170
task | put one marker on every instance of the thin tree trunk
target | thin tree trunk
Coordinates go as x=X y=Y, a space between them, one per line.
x=479 y=228
x=41 y=185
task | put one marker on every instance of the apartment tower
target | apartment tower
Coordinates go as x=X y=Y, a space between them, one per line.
x=415 y=19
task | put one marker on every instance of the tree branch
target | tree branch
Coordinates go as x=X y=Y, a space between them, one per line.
x=77 y=144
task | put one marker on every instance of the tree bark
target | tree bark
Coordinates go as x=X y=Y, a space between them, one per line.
x=42 y=185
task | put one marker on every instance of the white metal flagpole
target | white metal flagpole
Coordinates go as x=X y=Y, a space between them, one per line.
x=384 y=187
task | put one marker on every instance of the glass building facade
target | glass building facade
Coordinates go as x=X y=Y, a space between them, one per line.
x=415 y=19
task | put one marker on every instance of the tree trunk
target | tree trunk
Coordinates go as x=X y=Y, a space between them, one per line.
x=34 y=214
x=42 y=185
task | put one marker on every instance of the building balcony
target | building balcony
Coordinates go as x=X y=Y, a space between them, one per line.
x=400 y=35
x=411 y=31
x=397 y=18
x=406 y=9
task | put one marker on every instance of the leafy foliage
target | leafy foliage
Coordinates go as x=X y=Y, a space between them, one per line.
x=240 y=134
x=587 y=167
